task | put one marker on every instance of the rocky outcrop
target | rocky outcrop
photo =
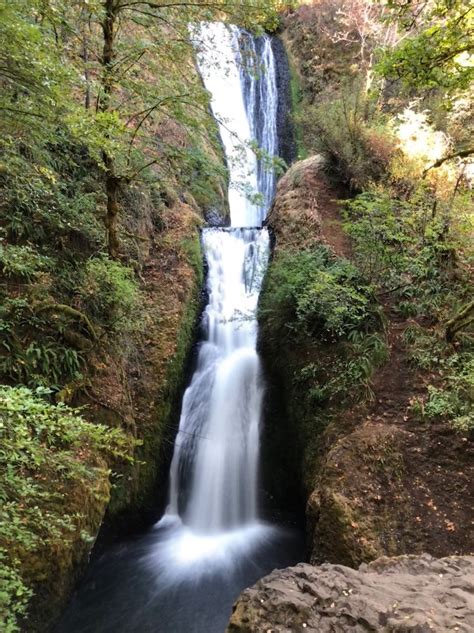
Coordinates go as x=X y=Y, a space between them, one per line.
x=294 y=216
x=375 y=480
x=296 y=219
x=404 y=594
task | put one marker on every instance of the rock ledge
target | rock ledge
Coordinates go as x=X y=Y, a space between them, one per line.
x=402 y=594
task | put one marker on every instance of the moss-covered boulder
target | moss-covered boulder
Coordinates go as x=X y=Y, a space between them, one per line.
x=54 y=488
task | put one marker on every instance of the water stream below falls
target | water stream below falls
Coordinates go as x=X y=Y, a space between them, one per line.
x=184 y=574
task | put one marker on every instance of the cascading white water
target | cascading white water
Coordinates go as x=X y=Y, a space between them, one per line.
x=218 y=440
x=214 y=471
x=258 y=77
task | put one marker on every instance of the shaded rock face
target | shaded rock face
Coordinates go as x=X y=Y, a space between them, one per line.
x=286 y=138
x=408 y=593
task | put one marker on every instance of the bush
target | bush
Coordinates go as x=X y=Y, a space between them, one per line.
x=22 y=262
x=409 y=250
x=347 y=377
x=39 y=448
x=33 y=346
x=452 y=399
x=110 y=295
x=312 y=293
x=350 y=134
x=49 y=194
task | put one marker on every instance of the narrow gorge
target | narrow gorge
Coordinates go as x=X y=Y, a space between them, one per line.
x=186 y=572
x=236 y=316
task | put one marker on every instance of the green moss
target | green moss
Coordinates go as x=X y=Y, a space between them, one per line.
x=343 y=535
x=136 y=490
x=193 y=252
x=296 y=96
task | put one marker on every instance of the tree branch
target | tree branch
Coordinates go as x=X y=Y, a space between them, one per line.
x=463 y=153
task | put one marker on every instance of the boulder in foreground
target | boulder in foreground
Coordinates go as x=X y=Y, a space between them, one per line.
x=402 y=594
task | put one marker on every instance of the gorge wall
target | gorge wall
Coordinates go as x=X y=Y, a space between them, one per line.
x=343 y=435
x=372 y=477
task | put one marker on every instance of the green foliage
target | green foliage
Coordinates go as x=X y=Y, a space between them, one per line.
x=110 y=294
x=347 y=378
x=31 y=70
x=32 y=350
x=452 y=398
x=404 y=244
x=436 y=52
x=22 y=261
x=314 y=294
x=425 y=350
x=454 y=403
x=350 y=132
x=49 y=194
x=39 y=448
x=14 y=595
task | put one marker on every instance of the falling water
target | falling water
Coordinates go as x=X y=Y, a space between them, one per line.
x=214 y=473
x=218 y=440
x=211 y=543
x=216 y=457
x=258 y=78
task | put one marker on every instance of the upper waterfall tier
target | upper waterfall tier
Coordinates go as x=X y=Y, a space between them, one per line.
x=239 y=72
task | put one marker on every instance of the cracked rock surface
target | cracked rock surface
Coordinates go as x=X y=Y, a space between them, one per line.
x=402 y=594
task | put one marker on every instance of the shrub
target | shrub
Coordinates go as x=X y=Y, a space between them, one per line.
x=22 y=261
x=357 y=144
x=110 y=295
x=346 y=377
x=48 y=194
x=452 y=399
x=39 y=447
x=317 y=295
x=409 y=249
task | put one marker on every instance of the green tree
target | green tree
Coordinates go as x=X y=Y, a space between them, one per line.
x=437 y=49
x=137 y=60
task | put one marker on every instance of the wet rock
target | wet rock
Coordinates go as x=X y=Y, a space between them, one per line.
x=404 y=594
x=286 y=137
x=215 y=217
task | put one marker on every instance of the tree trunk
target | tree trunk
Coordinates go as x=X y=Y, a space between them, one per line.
x=85 y=59
x=111 y=8
x=460 y=321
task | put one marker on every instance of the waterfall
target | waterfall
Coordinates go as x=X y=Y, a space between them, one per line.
x=214 y=471
x=258 y=77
